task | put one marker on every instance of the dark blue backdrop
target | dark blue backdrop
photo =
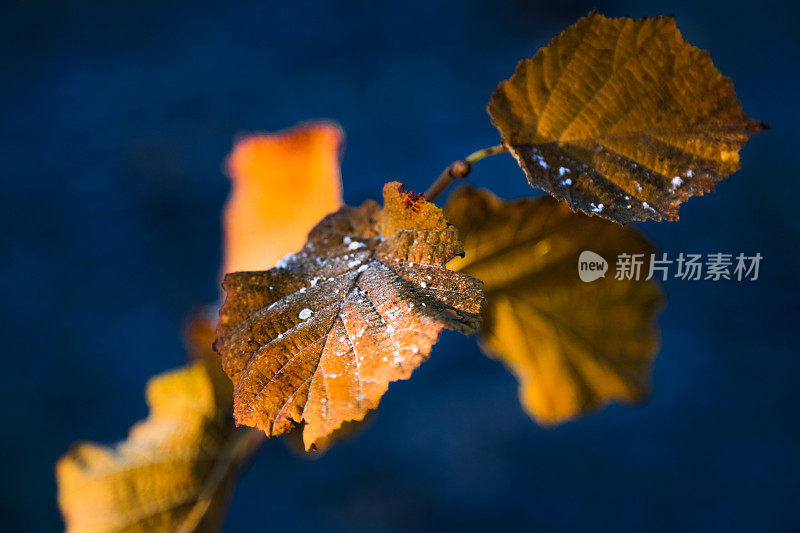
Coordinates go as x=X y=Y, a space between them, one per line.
x=115 y=120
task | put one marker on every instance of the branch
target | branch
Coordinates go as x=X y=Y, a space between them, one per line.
x=459 y=170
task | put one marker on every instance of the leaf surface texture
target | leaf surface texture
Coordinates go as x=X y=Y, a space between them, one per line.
x=622 y=118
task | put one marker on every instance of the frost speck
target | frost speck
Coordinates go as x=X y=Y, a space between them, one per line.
x=284 y=261
x=355 y=245
x=676 y=182
x=305 y=314
x=567 y=182
x=536 y=156
x=361 y=269
x=562 y=171
x=596 y=208
x=423 y=284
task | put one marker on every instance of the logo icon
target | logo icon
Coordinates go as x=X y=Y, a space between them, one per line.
x=591 y=266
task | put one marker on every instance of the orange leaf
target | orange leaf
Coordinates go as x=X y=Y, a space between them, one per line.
x=622 y=118
x=318 y=338
x=574 y=346
x=282 y=184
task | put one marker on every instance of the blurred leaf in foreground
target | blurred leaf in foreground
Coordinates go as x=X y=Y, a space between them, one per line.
x=573 y=345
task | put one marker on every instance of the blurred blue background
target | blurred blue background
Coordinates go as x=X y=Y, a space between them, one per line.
x=116 y=118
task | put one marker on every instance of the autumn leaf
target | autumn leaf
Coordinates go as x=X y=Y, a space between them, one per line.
x=173 y=473
x=622 y=118
x=282 y=184
x=573 y=345
x=317 y=339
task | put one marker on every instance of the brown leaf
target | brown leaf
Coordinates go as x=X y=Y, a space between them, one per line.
x=318 y=338
x=573 y=345
x=622 y=118
x=175 y=471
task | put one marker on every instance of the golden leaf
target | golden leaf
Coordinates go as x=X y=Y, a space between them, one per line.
x=174 y=471
x=271 y=177
x=573 y=345
x=318 y=338
x=622 y=118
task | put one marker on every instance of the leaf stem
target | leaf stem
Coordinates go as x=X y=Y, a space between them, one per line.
x=459 y=170
x=240 y=449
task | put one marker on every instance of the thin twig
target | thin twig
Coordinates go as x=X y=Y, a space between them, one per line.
x=459 y=170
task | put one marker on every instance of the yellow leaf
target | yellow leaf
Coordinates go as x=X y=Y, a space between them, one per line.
x=319 y=338
x=622 y=118
x=173 y=473
x=573 y=345
x=282 y=184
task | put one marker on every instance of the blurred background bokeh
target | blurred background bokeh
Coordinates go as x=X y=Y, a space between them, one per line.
x=115 y=121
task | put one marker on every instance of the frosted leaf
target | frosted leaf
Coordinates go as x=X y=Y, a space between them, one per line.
x=364 y=323
x=623 y=105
